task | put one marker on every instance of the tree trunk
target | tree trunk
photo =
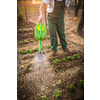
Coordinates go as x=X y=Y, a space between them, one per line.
x=81 y=23
x=17 y=11
x=76 y=11
x=77 y=7
x=25 y=9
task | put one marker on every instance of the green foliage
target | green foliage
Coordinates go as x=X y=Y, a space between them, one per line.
x=50 y=59
x=71 y=88
x=26 y=41
x=48 y=37
x=19 y=17
x=64 y=60
x=57 y=93
x=59 y=44
x=30 y=29
x=25 y=34
x=19 y=30
x=29 y=69
x=47 y=65
x=31 y=40
x=29 y=9
x=21 y=42
x=57 y=61
x=26 y=25
x=22 y=52
x=49 y=46
x=37 y=66
x=29 y=51
x=44 y=98
x=41 y=48
x=70 y=58
x=18 y=26
x=60 y=71
x=30 y=33
x=24 y=29
x=77 y=56
x=81 y=84
x=18 y=43
x=35 y=49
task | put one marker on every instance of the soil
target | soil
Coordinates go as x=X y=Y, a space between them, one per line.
x=32 y=84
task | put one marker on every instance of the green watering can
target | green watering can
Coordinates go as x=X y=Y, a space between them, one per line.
x=40 y=33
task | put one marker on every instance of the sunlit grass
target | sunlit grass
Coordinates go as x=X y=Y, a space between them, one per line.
x=28 y=10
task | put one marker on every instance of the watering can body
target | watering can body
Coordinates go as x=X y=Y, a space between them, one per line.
x=40 y=33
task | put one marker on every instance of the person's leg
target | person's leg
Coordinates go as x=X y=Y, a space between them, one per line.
x=53 y=35
x=61 y=33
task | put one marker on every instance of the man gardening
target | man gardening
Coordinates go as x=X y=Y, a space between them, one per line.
x=56 y=10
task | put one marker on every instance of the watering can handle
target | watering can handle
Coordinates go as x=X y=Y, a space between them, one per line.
x=40 y=28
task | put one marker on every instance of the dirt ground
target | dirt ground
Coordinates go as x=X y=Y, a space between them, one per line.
x=32 y=84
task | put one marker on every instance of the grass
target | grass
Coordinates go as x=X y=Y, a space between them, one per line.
x=19 y=17
x=28 y=9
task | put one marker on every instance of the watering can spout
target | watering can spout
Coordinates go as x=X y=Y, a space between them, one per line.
x=40 y=45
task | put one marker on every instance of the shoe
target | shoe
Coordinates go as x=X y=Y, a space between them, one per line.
x=53 y=53
x=66 y=50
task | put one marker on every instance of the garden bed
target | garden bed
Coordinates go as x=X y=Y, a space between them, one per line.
x=33 y=83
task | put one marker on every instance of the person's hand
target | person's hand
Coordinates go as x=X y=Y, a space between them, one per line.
x=41 y=18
